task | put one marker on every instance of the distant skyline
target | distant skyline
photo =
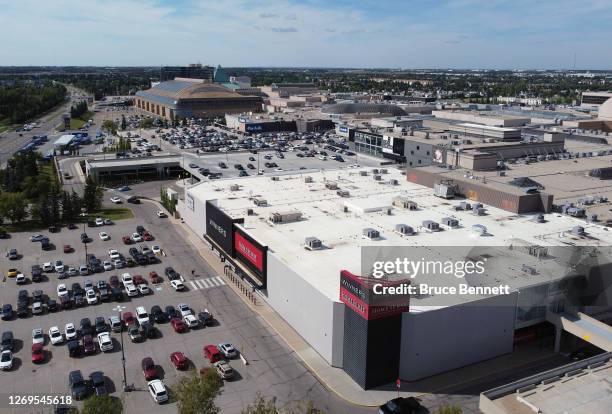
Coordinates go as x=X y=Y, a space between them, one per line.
x=469 y=34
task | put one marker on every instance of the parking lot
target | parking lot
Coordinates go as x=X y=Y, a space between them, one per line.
x=272 y=369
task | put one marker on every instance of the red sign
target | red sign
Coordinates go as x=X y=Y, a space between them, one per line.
x=247 y=250
x=398 y=383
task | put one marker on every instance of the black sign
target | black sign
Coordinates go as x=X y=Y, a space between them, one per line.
x=219 y=228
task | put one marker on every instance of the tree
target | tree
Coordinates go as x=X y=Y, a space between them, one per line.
x=123 y=122
x=146 y=122
x=102 y=404
x=196 y=393
x=13 y=206
x=92 y=195
x=263 y=406
x=449 y=409
x=109 y=126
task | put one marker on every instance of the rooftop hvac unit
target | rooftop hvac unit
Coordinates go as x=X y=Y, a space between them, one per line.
x=274 y=178
x=393 y=181
x=249 y=212
x=287 y=216
x=312 y=243
x=370 y=233
x=450 y=222
x=464 y=205
x=575 y=212
x=308 y=179
x=363 y=173
x=343 y=193
x=444 y=190
x=234 y=187
x=384 y=171
x=331 y=185
x=578 y=231
x=593 y=217
x=540 y=218
x=479 y=211
x=260 y=202
x=479 y=229
x=376 y=177
x=431 y=225
x=404 y=229
x=403 y=202
x=530 y=270
x=375 y=171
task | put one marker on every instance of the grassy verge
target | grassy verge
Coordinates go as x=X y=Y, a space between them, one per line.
x=113 y=214
x=4 y=125
x=77 y=123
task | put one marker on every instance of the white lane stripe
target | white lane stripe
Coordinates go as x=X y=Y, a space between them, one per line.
x=193 y=285
x=220 y=279
x=213 y=281
x=201 y=284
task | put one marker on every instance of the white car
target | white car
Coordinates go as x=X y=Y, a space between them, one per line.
x=143 y=289
x=99 y=221
x=20 y=279
x=37 y=308
x=70 y=331
x=158 y=391
x=62 y=290
x=177 y=285
x=130 y=289
x=354 y=166
x=115 y=200
x=91 y=297
x=118 y=264
x=38 y=337
x=107 y=265
x=227 y=350
x=105 y=342
x=72 y=271
x=47 y=267
x=126 y=278
x=59 y=266
x=191 y=321
x=322 y=157
x=161 y=214
x=55 y=335
x=104 y=236
x=184 y=310
x=156 y=249
x=6 y=360
x=114 y=254
x=141 y=315
x=136 y=237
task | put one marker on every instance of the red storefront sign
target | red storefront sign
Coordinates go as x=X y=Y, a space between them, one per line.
x=248 y=251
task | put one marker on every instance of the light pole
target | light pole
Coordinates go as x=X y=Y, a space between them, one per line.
x=85 y=239
x=126 y=388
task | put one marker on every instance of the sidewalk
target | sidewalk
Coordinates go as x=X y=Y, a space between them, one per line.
x=336 y=379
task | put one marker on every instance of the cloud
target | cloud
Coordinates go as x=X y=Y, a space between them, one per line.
x=267 y=15
x=284 y=29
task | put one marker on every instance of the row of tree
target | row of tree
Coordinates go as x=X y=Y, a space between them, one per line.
x=78 y=110
x=23 y=100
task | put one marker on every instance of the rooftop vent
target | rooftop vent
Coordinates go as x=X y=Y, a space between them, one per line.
x=260 y=202
x=450 y=222
x=464 y=205
x=404 y=229
x=287 y=216
x=250 y=211
x=370 y=233
x=376 y=177
x=363 y=173
x=393 y=181
x=274 y=178
x=540 y=218
x=375 y=171
x=343 y=193
x=312 y=243
x=384 y=171
x=431 y=225
x=578 y=231
x=479 y=229
x=444 y=189
x=234 y=187
x=331 y=185
x=308 y=179
x=404 y=202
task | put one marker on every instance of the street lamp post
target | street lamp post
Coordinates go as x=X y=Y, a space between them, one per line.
x=126 y=388
x=85 y=243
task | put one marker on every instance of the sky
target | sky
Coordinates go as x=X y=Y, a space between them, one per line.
x=478 y=34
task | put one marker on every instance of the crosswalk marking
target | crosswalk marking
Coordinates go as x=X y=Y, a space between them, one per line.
x=208 y=283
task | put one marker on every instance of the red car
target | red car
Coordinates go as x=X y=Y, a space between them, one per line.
x=38 y=353
x=179 y=360
x=113 y=281
x=147 y=236
x=127 y=240
x=178 y=325
x=149 y=370
x=128 y=319
x=155 y=278
x=138 y=280
x=89 y=347
x=68 y=248
x=212 y=353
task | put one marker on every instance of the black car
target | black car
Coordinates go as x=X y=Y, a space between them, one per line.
x=7 y=312
x=45 y=244
x=72 y=226
x=65 y=302
x=74 y=349
x=222 y=165
x=133 y=200
x=7 y=341
x=76 y=288
x=401 y=405
x=171 y=312
x=91 y=223
x=38 y=296
x=52 y=305
x=134 y=333
x=243 y=173
x=78 y=387
x=97 y=383
x=206 y=318
x=140 y=230
x=148 y=330
x=84 y=237
x=53 y=228
x=250 y=166
x=86 y=328
x=79 y=299
x=104 y=294
x=238 y=167
x=251 y=158
x=171 y=273
x=100 y=324
x=157 y=314
x=23 y=311
x=133 y=252
x=141 y=259
x=36 y=273
x=117 y=294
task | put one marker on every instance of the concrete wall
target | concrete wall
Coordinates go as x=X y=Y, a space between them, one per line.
x=441 y=340
x=313 y=315
x=193 y=211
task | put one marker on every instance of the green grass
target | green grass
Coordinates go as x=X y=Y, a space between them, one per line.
x=49 y=170
x=4 y=125
x=77 y=123
x=113 y=214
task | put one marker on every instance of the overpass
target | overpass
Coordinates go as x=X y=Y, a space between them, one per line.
x=583 y=326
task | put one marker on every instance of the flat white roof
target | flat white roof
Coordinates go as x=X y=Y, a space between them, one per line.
x=324 y=217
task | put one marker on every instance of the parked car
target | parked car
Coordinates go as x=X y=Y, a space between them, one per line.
x=7 y=312
x=224 y=370
x=38 y=337
x=227 y=350
x=212 y=353
x=38 y=353
x=6 y=360
x=8 y=341
x=68 y=248
x=155 y=278
x=70 y=332
x=105 y=342
x=88 y=344
x=149 y=370
x=77 y=385
x=206 y=317
x=134 y=333
x=179 y=360
x=178 y=325
x=55 y=336
x=98 y=384
x=157 y=389
x=401 y=405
